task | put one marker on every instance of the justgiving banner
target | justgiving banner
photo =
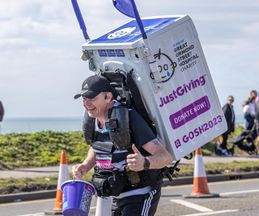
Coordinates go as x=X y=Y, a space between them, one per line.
x=187 y=100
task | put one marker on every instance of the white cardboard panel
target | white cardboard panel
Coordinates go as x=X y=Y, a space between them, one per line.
x=183 y=104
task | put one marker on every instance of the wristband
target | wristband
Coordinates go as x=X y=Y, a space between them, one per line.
x=146 y=164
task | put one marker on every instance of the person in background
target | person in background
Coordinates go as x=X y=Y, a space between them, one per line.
x=253 y=94
x=257 y=121
x=249 y=112
x=229 y=114
x=1 y=113
x=255 y=98
x=246 y=139
x=131 y=175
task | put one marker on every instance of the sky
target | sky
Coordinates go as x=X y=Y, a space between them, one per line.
x=40 y=49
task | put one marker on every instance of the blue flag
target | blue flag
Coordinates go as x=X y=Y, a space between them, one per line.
x=125 y=7
x=128 y=7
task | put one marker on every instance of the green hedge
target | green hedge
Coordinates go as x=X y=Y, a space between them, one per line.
x=40 y=148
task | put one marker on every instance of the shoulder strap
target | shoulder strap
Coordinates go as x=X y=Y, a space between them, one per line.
x=88 y=128
x=137 y=101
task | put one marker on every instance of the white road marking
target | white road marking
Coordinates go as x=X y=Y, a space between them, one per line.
x=202 y=209
x=212 y=213
x=191 y=205
x=239 y=192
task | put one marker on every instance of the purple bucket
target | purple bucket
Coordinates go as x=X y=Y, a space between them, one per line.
x=77 y=195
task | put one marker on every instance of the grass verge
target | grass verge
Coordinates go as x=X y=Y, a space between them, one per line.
x=12 y=185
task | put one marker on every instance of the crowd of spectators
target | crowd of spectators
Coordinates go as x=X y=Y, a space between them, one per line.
x=246 y=139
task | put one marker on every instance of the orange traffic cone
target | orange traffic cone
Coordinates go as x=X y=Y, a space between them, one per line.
x=200 y=184
x=62 y=177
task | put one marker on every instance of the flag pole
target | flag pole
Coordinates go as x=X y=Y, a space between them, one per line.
x=139 y=22
x=129 y=8
x=80 y=19
x=152 y=63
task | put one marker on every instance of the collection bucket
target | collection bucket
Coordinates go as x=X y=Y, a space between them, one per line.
x=77 y=196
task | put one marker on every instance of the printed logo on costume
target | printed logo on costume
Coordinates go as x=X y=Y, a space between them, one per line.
x=121 y=33
x=166 y=66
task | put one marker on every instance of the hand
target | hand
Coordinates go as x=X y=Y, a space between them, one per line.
x=135 y=162
x=78 y=171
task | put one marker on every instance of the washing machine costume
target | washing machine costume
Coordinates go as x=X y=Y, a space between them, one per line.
x=164 y=93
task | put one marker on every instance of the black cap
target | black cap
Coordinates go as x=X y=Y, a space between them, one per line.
x=93 y=86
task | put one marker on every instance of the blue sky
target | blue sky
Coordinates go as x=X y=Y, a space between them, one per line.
x=40 y=48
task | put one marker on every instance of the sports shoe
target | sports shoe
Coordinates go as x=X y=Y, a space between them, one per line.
x=249 y=144
x=251 y=149
x=223 y=152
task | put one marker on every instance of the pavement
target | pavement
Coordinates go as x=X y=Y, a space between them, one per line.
x=48 y=171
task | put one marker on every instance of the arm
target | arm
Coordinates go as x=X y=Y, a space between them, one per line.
x=144 y=137
x=159 y=157
x=224 y=109
x=79 y=170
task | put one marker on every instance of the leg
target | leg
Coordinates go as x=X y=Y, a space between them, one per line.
x=140 y=205
x=223 y=145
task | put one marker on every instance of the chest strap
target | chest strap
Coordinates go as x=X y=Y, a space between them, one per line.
x=88 y=128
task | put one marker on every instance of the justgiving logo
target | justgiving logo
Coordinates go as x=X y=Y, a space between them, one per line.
x=121 y=33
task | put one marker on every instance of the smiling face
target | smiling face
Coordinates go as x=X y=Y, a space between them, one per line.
x=98 y=106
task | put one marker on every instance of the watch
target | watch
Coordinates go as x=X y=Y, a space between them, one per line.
x=146 y=163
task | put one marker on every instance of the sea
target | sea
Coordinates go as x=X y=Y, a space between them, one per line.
x=28 y=125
